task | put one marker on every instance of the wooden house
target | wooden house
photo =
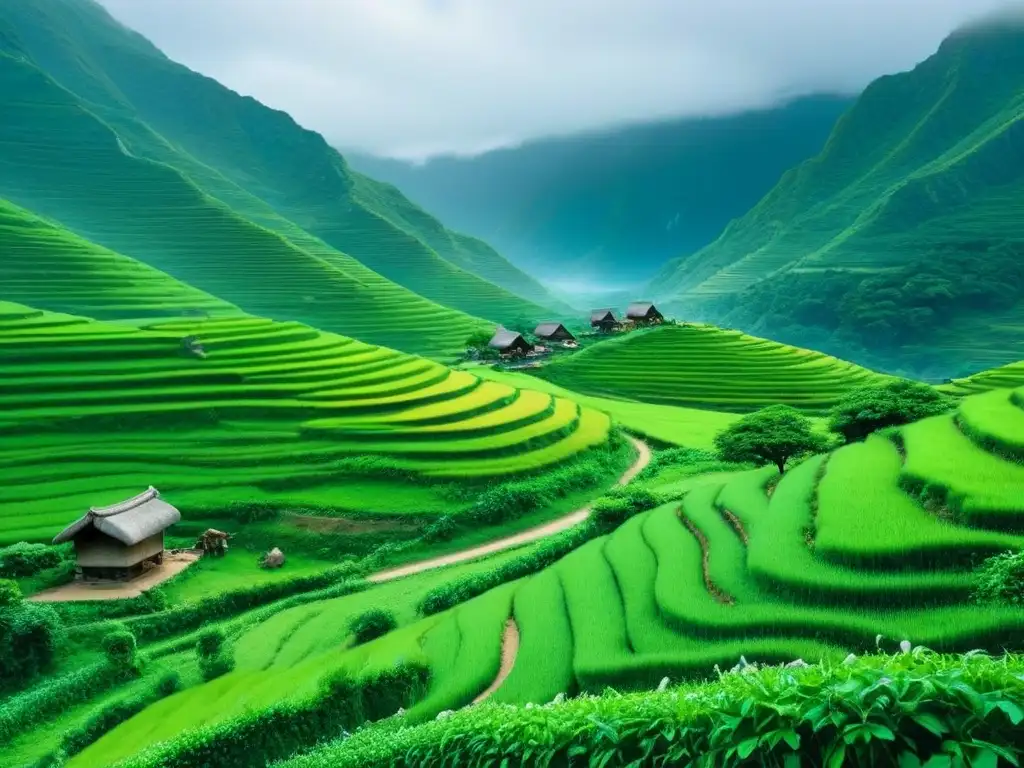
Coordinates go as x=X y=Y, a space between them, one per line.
x=510 y=343
x=553 y=332
x=644 y=313
x=603 y=320
x=121 y=541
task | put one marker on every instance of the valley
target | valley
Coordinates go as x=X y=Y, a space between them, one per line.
x=294 y=474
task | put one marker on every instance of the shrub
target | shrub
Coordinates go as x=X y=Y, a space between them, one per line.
x=442 y=529
x=772 y=435
x=120 y=648
x=620 y=504
x=214 y=655
x=10 y=593
x=871 y=408
x=24 y=559
x=1001 y=579
x=372 y=624
x=677 y=457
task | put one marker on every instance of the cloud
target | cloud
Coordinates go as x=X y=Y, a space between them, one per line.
x=414 y=78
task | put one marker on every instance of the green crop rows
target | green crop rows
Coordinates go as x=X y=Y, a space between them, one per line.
x=705 y=367
x=94 y=411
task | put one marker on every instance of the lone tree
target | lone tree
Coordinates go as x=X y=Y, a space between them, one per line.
x=900 y=401
x=772 y=435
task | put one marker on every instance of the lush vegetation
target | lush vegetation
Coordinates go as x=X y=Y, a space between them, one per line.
x=773 y=435
x=907 y=709
x=889 y=404
x=276 y=416
x=899 y=240
x=706 y=367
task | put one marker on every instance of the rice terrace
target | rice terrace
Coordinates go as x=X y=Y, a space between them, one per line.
x=346 y=432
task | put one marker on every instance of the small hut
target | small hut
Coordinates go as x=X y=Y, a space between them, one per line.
x=644 y=313
x=603 y=320
x=510 y=343
x=553 y=332
x=121 y=541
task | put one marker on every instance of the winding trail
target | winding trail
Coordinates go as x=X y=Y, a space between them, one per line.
x=525 y=537
x=509 y=651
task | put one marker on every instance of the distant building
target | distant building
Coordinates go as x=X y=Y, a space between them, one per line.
x=509 y=343
x=121 y=541
x=553 y=332
x=644 y=313
x=603 y=320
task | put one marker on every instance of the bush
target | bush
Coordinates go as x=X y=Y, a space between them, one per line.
x=120 y=648
x=28 y=636
x=442 y=529
x=258 y=738
x=23 y=559
x=1000 y=579
x=10 y=593
x=372 y=624
x=869 y=409
x=214 y=656
x=617 y=506
x=772 y=435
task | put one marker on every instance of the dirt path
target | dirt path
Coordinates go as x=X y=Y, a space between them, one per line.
x=82 y=590
x=509 y=651
x=525 y=537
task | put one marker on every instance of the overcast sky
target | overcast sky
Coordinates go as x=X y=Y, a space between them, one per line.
x=413 y=78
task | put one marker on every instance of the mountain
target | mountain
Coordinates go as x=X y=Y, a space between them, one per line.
x=903 y=238
x=615 y=205
x=144 y=157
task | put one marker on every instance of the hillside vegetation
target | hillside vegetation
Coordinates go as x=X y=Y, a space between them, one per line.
x=901 y=237
x=873 y=544
x=707 y=367
x=277 y=415
x=144 y=157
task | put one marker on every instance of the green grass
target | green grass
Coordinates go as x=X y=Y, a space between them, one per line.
x=707 y=368
x=236 y=570
x=996 y=420
x=277 y=413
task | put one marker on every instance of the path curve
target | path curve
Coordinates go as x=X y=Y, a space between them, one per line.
x=525 y=537
x=509 y=651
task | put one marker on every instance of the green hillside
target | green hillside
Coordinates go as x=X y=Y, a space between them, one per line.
x=707 y=367
x=276 y=414
x=902 y=236
x=814 y=566
x=1007 y=376
x=164 y=111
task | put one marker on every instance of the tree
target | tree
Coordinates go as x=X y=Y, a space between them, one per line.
x=900 y=401
x=772 y=435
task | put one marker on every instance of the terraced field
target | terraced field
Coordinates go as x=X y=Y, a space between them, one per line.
x=1008 y=376
x=275 y=413
x=814 y=565
x=710 y=368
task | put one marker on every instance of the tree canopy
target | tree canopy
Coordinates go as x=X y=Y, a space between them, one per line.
x=773 y=435
x=900 y=401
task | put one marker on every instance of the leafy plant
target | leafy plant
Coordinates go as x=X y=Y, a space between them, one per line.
x=871 y=408
x=772 y=435
x=372 y=624
x=1000 y=579
x=214 y=655
x=24 y=559
x=120 y=648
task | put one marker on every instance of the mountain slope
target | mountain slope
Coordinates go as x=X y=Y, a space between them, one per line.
x=905 y=222
x=62 y=161
x=259 y=149
x=617 y=204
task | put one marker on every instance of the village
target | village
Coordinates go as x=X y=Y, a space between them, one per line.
x=516 y=350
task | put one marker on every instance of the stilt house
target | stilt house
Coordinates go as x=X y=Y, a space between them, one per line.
x=509 y=343
x=553 y=332
x=644 y=313
x=603 y=320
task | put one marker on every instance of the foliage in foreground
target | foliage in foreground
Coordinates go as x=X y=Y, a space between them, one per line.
x=28 y=636
x=893 y=403
x=881 y=710
x=773 y=435
x=372 y=624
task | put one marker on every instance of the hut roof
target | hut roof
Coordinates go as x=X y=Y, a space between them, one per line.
x=129 y=521
x=547 y=329
x=600 y=314
x=504 y=338
x=640 y=309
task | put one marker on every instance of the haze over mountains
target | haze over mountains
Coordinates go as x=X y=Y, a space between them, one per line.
x=610 y=207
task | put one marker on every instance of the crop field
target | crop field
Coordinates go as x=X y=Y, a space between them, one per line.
x=277 y=413
x=709 y=368
x=1008 y=376
x=814 y=565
